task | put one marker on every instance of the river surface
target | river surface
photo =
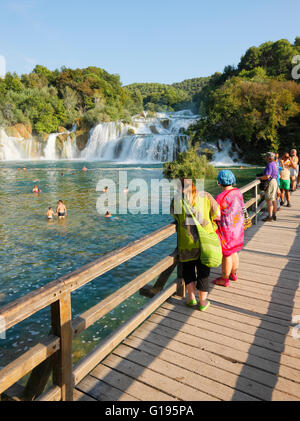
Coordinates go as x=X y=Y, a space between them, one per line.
x=35 y=251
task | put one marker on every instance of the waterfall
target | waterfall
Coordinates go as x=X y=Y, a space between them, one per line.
x=225 y=156
x=13 y=148
x=69 y=149
x=50 y=149
x=154 y=139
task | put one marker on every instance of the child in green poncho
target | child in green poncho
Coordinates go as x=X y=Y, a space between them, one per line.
x=206 y=211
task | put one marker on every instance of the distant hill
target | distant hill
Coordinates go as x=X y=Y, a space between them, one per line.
x=176 y=96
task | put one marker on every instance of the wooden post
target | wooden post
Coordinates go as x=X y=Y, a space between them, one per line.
x=180 y=282
x=256 y=205
x=61 y=315
x=38 y=380
x=150 y=291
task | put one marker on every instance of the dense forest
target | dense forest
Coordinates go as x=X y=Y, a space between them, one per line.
x=163 y=97
x=255 y=104
x=48 y=99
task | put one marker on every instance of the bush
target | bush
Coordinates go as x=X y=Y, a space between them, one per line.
x=189 y=165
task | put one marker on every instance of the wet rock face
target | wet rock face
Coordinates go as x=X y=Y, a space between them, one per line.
x=154 y=130
x=165 y=123
x=60 y=140
x=20 y=131
x=82 y=134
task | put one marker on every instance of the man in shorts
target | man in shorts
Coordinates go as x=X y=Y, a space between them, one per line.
x=271 y=173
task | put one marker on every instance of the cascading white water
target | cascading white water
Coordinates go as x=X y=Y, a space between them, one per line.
x=69 y=149
x=9 y=147
x=50 y=149
x=224 y=156
x=147 y=139
x=153 y=139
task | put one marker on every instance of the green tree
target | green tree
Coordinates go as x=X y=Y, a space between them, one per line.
x=189 y=165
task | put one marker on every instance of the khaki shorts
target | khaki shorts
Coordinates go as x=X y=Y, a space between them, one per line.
x=271 y=191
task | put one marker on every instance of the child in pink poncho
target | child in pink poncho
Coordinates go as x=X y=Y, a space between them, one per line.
x=230 y=226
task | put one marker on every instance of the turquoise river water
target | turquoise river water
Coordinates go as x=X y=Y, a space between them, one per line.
x=34 y=251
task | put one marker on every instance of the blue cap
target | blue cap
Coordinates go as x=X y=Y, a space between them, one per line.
x=226 y=178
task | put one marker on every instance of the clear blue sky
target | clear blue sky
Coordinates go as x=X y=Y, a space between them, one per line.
x=143 y=41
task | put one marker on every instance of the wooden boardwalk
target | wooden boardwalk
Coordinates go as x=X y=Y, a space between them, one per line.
x=242 y=348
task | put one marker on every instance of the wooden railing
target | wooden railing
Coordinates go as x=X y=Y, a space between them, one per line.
x=256 y=203
x=54 y=354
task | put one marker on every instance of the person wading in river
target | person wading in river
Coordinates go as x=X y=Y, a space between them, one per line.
x=61 y=210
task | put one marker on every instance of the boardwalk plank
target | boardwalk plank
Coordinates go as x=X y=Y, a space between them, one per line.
x=219 y=337
x=234 y=354
x=222 y=317
x=158 y=380
x=247 y=337
x=100 y=391
x=184 y=357
x=172 y=366
x=125 y=383
x=222 y=361
x=242 y=348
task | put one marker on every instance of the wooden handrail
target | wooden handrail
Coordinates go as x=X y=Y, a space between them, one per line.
x=99 y=353
x=57 y=294
x=92 y=315
x=24 y=307
x=249 y=186
x=28 y=361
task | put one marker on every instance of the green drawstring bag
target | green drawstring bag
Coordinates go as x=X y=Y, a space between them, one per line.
x=210 y=246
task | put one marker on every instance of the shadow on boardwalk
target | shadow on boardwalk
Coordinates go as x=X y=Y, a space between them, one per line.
x=272 y=311
x=116 y=383
x=116 y=377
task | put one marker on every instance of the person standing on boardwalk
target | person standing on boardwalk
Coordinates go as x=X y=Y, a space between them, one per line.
x=271 y=174
x=285 y=185
x=294 y=169
x=195 y=211
x=230 y=226
x=278 y=165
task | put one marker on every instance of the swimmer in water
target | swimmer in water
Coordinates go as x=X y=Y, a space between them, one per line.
x=61 y=210
x=105 y=189
x=84 y=168
x=36 y=189
x=108 y=215
x=50 y=213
